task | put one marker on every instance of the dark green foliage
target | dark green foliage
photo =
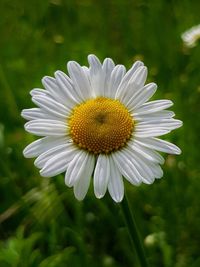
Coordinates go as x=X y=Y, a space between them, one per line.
x=42 y=225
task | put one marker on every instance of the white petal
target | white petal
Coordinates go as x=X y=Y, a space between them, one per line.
x=51 y=106
x=127 y=78
x=153 y=106
x=44 y=157
x=97 y=75
x=139 y=76
x=38 y=91
x=160 y=145
x=86 y=70
x=69 y=94
x=126 y=168
x=53 y=89
x=115 y=184
x=156 y=116
x=80 y=80
x=101 y=175
x=58 y=163
x=166 y=124
x=35 y=113
x=142 y=96
x=82 y=185
x=135 y=76
x=41 y=145
x=142 y=166
x=130 y=92
x=42 y=127
x=152 y=169
x=151 y=132
x=76 y=168
x=147 y=153
x=133 y=69
x=115 y=79
x=158 y=172
x=108 y=66
x=145 y=171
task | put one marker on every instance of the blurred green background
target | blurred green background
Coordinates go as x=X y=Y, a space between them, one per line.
x=41 y=222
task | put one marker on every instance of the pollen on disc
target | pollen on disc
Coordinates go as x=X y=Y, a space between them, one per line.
x=101 y=125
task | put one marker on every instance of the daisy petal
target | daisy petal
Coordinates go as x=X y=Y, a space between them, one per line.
x=80 y=80
x=38 y=91
x=139 y=76
x=153 y=106
x=147 y=153
x=160 y=115
x=137 y=79
x=35 y=113
x=86 y=70
x=144 y=169
x=160 y=145
x=55 y=165
x=97 y=75
x=69 y=95
x=131 y=92
x=52 y=88
x=101 y=175
x=44 y=157
x=42 y=127
x=126 y=79
x=169 y=124
x=128 y=76
x=157 y=171
x=82 y=185
x=142 y=133
x=51 y=106
x=41 y=145
x=76 y=168
x=115 y=79
x=115 y=184
x=126 y=168
x=153 y=169
x=142 y=96
x=58 y=163
x=107 y=67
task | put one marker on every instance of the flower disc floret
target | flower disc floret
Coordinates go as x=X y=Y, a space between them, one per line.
x=101 y=125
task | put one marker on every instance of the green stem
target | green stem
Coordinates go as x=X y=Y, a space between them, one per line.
x=133 y=232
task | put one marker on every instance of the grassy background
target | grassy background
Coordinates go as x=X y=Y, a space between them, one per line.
x=41 y=222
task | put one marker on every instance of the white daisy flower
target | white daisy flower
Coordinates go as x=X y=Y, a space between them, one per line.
x=97 y=122
x=191 y=36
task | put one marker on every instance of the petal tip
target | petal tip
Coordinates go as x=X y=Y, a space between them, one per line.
x=25 y=152
x=178 y=151
x=58 y=73
x=139 y=63
x=79 y=198
x=23 y=113
x=98 y=195
x=118 y=199
x=44 y=173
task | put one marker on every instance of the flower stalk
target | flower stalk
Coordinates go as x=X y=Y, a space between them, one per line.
x=133 y=231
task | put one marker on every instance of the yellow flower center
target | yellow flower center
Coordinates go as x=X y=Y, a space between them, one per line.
x=101 y=125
